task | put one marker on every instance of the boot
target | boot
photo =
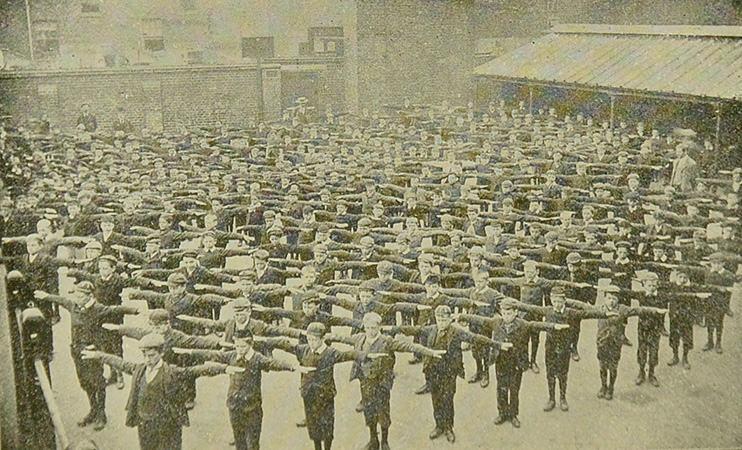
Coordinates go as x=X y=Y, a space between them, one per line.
x=87 y=420
x=485 y=380
x=476 y=378
x=640 y=378
x=424 y=389
x=674 y=361
x=100 y=422
x=563 y=405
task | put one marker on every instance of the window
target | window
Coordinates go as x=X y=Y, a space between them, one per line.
x=327 y=40
x=257 y=47
x=152 y=35
x=46 y=39
x=90 y=8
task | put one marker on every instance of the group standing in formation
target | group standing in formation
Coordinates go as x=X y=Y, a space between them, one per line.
x=459 y=228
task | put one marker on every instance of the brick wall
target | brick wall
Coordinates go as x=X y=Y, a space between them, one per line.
x=151 y=98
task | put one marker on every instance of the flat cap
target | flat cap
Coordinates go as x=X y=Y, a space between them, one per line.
x=159 y=316
x=177 y=278
x=316 y=329
x=241 y=304
x=261 y=254
x=443 y=310
x=94 y=245
x=573 y=258
x=609 y=288
x=717 y=257
x=110 y=258
x=365 y=222
x=190 y=254
x=372 y=319
x=152 y=340
x=558 y=290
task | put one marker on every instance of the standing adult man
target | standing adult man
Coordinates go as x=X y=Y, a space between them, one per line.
x=155 y=404
x=684 y=169
x=86 y=120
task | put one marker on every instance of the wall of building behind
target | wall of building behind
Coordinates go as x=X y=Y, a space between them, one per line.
x=157 y=99
x=423 y=50
x=416 y=49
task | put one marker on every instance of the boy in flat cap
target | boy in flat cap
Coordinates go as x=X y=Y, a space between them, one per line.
x=107 y=289
x=611 y=333
x=511 y=360
x=441 y=373
x=376 y=375
x=559 y=343
x=87 y=316
x=318 y=386
x=244 y=398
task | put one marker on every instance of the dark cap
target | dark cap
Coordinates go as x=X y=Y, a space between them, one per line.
x=159 y=317
x=433 y=279
x=261 y=254
x=558 y=291
x=316 y=329
x=177 y=278
x=190 y=254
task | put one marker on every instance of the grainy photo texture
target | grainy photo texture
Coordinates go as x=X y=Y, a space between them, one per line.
x=370 y=224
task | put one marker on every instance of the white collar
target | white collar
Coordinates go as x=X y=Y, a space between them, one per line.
x=371 y=341
x=321 y=349
x=248 y=356
x=89 y=303
x=153 y=370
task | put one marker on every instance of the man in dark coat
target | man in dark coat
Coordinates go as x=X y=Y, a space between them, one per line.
x=155 y=404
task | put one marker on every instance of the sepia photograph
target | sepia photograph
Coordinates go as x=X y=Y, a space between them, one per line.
x=370 y=224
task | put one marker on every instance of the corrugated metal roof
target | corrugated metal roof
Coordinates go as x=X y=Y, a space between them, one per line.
x=656 y=63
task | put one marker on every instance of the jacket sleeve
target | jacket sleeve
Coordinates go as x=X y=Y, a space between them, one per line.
x=132 y=332
x=409 y=347
x=117 y=363
x=65 y=302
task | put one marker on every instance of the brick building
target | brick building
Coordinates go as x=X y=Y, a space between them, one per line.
x=343 y=55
